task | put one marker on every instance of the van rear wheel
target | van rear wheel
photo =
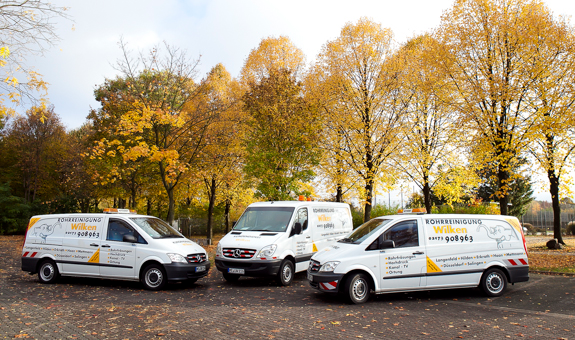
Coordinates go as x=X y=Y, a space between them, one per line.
x=357 y=288
x=48 y=272
x=285 y=274
x=494 y=282
x=154 y=277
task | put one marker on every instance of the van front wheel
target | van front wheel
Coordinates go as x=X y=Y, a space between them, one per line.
x=285 y=275
x=48 y=272
x=357 y=288
x=494 y=282
x=154 y=277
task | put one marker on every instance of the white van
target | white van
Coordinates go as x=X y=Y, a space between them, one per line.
x=115 y=245
x=278 y=238
x=423 y=252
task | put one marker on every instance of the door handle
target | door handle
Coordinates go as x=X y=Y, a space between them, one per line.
x=308 y=237
x=418 y=253
x=108 y=246
x=94 y=244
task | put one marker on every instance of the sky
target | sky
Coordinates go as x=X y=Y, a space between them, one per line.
x=216 y=31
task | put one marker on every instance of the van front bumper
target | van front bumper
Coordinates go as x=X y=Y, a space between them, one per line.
x=325 y=282
x=250 y=268
x=185 y=271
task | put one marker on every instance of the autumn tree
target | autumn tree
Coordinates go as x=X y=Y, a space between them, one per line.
x=361 y=105
x=281 y=138
x=221 y=159
x=26 y=29
x=272 y=54
x=489 y=52
x=36 y=141
x=167 y=119
x=432 y=144
x=554 y=103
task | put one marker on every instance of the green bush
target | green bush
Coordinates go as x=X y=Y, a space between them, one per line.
x=14 y=212
x=571 y=228
x=530 y=227
x=486 y=209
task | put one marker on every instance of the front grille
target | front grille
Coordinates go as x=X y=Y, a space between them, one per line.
x=238 y=253
x=196 y=258
x=314 y=266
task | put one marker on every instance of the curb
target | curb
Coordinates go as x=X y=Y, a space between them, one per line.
x=551 y=273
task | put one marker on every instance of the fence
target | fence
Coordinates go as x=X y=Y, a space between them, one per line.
x=196 y=228
x=543 y=217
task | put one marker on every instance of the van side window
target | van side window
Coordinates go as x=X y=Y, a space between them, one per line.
x=117 y=229
x=404 y=234
x=302 y=218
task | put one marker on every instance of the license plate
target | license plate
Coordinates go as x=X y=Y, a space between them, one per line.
x=200 y=269
x=236 y=271
x=310 y=277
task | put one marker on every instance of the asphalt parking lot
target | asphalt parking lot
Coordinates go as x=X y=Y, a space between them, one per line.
x=73 y=308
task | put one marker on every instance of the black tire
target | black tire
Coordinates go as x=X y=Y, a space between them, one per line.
x=357 y=288
x=154 y=277
x=48 y=272
x=286 y=273
x=494 y=282
x=231 y=277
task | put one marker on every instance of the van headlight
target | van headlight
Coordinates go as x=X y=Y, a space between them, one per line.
x=219 y=250
x=329 y=266
x=177 y=258
x=267 y=251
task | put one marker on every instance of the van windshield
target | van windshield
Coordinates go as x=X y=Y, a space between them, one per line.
x=156 y=228
x=273 y=219
x=365 y=230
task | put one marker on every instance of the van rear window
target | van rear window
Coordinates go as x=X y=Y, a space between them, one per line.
x=156 y=228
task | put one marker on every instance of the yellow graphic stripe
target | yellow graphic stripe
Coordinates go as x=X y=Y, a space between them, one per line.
x=96 y=257
x=32 y=222
x=432 y=267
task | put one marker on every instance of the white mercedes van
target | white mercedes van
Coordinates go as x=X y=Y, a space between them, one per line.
x=423 y=252
x=279 y=238
x=114 y=245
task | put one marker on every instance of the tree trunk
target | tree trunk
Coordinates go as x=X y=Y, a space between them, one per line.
x=171 y=206
x=427 y=195
x=212 y=203
x=503 y=179
x=227 y=215
x=339 y=194
x=368 y=199
x=148 y=206
x=554 y=190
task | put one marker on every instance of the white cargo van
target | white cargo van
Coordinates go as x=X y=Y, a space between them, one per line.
x=423 y=252
x=115 y=245
x=279 y=238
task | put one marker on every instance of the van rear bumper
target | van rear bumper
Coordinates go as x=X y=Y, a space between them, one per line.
x=519 y=274
x=30 y=264
x=251 y=268
x=184 y=271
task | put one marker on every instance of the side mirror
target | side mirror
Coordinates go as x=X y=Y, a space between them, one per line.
x=387 y=244
x=296 y=229
x=234 y=224
x=129 y=239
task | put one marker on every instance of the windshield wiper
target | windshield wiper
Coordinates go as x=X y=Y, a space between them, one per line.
x=345 y=240
x=171 y=236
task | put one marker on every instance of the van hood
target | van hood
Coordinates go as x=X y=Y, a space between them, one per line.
x=335 y=252
x=249 y=239
x=182 y=246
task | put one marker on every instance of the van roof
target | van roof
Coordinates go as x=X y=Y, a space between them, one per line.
x=78 y=215
x=297 y=204
x=446 y=216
